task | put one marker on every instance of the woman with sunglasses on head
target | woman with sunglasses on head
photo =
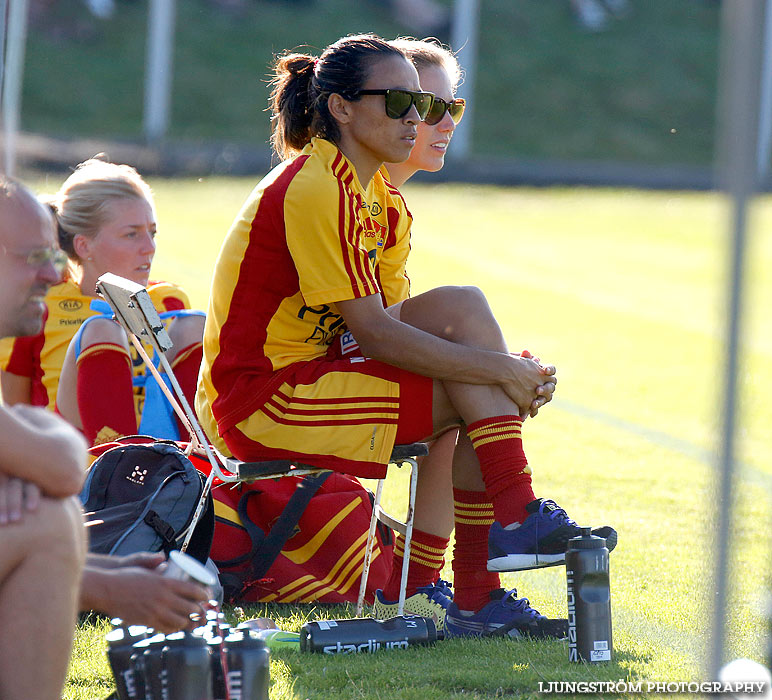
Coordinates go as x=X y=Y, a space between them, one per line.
x=313 y=349
x=441 y=505
x=439 y=73
x=106 y=222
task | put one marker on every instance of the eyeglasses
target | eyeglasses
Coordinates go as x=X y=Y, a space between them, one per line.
x=399 y=102
x=40 y=257
x=437 y=111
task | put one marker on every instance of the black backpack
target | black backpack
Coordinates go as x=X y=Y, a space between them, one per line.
x=146 y=496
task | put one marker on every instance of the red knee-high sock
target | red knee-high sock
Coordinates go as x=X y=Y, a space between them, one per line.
x=105 y=393
x=504 y=468
x=472 y=582
x=427 y=555
x=185 y=367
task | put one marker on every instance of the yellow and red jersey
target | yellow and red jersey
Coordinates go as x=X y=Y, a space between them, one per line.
x=391 y=273
x=40 y=357
x=307 y=237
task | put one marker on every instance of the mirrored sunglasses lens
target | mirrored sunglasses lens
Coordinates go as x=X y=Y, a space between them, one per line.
x=456 y=110
x=423 y=103
x=436 y=113
x=398 y=103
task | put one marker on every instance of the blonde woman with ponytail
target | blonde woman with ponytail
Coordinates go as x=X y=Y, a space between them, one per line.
x=106 y=222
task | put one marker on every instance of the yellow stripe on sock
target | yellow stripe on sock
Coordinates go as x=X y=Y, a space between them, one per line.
x=494 y=438
x=426 y=549
x=462 y=505
x=103 y=347
x=433 y=561
x=477 y=442
x=482 y=510
x=487 y=522
x=506 y=427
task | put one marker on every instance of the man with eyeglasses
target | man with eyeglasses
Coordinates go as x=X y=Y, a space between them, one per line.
x=42 y=462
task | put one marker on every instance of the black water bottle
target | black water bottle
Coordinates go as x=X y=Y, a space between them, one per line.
x=120 y=647
x=187 y=671
x=219 y=668
x=248 y=666
x=212 y=633
x=137 y=661
x=589 y=598
x=151 y=666
x=363 y=635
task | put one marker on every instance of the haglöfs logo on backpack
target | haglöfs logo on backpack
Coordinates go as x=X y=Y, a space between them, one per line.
x=137 y=476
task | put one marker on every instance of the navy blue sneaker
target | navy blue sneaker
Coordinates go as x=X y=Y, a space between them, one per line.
x=428 y=601
x=444 y=587
x=540 y=541
x=505 y=616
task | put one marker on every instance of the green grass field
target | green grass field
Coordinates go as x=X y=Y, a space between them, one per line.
x=623 y=291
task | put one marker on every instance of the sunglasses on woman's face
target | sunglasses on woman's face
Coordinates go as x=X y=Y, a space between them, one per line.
x=399 y=102
x=437 y=111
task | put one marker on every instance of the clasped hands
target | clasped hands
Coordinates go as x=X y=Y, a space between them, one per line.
x=541 y=394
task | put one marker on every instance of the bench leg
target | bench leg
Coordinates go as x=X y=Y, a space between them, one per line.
x=369 y=549
x=408 y=534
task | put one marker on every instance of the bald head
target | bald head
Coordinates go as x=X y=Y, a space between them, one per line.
x=25 y=226
x=14 y=195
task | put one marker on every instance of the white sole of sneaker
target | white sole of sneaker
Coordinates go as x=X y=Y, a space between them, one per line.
x=522 y=562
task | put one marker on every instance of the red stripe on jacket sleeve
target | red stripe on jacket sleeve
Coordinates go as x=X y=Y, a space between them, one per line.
x=345 y=236
x=266 y=276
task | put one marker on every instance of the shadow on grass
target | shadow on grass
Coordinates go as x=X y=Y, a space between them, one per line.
x=456 y=668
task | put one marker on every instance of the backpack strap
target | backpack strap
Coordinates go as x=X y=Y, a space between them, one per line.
x=285 y=524
x=161 y=528
x=255 y=532
x=265 y=548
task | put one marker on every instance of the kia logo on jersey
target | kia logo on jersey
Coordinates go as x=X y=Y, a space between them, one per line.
x=70 y=305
